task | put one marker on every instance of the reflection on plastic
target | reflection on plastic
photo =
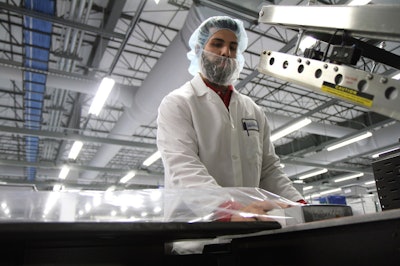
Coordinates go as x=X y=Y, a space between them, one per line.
x=147 y=205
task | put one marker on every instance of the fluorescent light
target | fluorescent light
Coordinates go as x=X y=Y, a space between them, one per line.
x=308 y=188
x=348 y=177
x=101 y=96
x=157 y=1
x=286 y=131
x=282 y=165
x=316 y=195
x=397 y=76
x=155 y=195
x=314 y=173
x=127 y=177
x=349 y=141
x=110 y=189
x=298 y=182
x=330 y=191
x=369 y=183
x=58 y=187
x=75 y=149
x=359 y=2
x=88 y=207
x=154 y=157
x=51 y=201
x=64 y=172
x=376 y=155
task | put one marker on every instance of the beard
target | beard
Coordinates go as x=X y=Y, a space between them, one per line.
x=217 y=69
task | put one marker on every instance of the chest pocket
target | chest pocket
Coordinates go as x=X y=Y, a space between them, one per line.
x=251 y=140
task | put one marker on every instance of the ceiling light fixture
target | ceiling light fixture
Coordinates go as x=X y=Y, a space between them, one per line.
x=75 y=149
x=308 y=188
x=370 y=182
x=127 y=177
x=348 y=177
x=313 y=173
x=289 y=129
x=58 y=187
x=51 y=202
x=359 y=2
x=154 y=157
x=110 y=189
x=315 y=195
x=376 y=155
x=349 y=141
x=330 y=191
x=101 y=96
x=64 y=172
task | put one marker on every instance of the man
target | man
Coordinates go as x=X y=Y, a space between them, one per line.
x=211 y=135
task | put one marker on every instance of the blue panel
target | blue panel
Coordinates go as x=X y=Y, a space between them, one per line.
x=40 y=39
x=335 y=199
x=46 y=7
x=36 y=77
x=31 y=173
x=37 y=42
x=37 y=53
x=34 y=96
x=35 y=64
x=35 y=113
x=35 y=105
x=33 y=87
x=39 y=24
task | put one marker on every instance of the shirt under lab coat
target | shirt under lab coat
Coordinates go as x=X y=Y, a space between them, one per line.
x=202 y=143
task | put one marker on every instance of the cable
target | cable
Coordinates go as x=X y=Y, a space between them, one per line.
x=329 y=45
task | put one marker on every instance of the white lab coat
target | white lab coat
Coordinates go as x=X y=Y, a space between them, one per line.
x=204 y=144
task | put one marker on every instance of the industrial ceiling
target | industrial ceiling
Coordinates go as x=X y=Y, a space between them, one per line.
x=53 y=55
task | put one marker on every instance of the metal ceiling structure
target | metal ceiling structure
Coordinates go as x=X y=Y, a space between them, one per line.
x=53 y=55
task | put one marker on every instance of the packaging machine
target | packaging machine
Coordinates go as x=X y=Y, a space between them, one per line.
x=348 y=32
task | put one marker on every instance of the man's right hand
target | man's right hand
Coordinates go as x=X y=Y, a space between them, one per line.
x=257 y=211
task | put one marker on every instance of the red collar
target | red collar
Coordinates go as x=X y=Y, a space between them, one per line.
x=226 y=97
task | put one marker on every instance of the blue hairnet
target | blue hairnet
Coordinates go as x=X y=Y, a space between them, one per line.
x=206 y=29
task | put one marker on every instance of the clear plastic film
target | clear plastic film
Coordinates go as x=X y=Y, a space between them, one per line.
x=146 y=205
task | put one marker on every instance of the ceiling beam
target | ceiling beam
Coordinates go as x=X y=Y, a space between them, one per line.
x=75 y=136
x=64 y=22
x=75 y=166
x=111 y=20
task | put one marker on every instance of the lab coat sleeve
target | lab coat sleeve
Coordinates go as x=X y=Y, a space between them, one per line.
x=178 y=145
x=273 y=178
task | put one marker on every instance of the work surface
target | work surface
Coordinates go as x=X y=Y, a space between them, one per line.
x=359 y=240
x=372 y=239
x=125 y=231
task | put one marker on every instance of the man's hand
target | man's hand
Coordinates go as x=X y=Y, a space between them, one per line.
x=257 y=211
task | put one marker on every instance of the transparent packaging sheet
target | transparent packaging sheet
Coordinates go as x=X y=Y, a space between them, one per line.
x=146 y=205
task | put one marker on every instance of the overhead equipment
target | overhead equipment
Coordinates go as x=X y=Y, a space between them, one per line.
x=334 y=72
